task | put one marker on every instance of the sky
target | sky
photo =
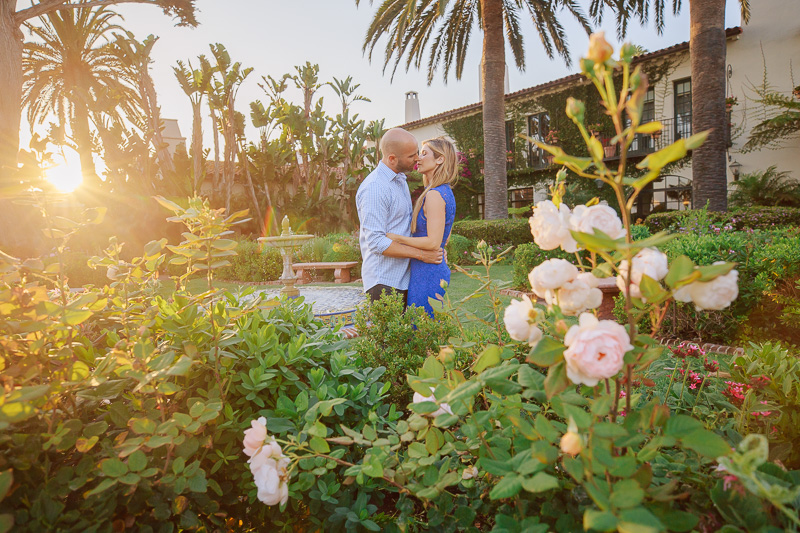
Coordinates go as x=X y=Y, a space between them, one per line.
x=273 y=36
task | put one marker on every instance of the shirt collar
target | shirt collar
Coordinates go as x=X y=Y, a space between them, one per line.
x=389 y=173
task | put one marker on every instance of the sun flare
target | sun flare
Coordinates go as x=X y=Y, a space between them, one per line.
x=65 y=176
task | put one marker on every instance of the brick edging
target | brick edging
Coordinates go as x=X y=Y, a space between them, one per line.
x=706 y=346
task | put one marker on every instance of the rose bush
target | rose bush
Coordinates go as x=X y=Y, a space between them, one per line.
x=573 y=447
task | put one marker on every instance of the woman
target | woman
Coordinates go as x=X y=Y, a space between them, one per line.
x=431 y=220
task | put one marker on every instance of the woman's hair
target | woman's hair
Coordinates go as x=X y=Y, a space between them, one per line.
x=446 y=173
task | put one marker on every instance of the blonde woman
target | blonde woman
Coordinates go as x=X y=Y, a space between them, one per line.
x=431 y=220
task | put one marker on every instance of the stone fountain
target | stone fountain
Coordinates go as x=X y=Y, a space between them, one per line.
x=287 y=242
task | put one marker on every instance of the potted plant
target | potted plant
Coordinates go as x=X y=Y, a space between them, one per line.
x=796 y=92
x=730 y=102
x=594 y=129
x=551 y=137
x=610 y=150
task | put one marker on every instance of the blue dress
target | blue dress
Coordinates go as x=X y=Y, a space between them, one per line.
x=426 y=278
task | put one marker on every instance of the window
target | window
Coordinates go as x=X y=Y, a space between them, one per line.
x=538 y=128
x=521 y=198
x=683 y=109
x=510 y=137
x=649 y=109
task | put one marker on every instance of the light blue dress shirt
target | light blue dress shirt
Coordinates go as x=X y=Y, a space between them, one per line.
x=384 y=206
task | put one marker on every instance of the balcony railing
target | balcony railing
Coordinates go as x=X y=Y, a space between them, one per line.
x=643 y=143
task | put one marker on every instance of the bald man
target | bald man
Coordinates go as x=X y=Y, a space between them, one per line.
x=384 y=206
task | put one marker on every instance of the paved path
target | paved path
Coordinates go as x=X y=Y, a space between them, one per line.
x=325 y=299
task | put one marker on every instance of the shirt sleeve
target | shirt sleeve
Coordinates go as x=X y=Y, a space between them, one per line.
x=373 y=214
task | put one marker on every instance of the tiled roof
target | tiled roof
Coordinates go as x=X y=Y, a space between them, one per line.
x=572 y=78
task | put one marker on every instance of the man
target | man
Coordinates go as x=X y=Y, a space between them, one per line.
x=384 y=206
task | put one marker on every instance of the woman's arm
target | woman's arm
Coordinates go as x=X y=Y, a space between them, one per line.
x=434 y=212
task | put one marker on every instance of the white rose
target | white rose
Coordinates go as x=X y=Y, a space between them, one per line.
x=520 y=318
x=550 y=227
x=443 y=407
x=271 y=450
x=650 y=262
x=551 y=274
x=255 y=436
x=599 y=216
x=576 y=296
x=272 y=481
x=595 y=349
x=711 y=295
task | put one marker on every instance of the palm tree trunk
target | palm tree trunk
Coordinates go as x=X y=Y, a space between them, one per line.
x=11 y=39
x=197 y=145
x=162 y=149
x=251 y=189
x=215 y=129
x=707 y=53
x=83 y=140
x=493 y=68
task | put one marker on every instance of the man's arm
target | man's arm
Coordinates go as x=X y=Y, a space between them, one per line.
x=401 y=250
x=372 y=214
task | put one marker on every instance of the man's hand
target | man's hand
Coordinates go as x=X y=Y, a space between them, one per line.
x=431 y=256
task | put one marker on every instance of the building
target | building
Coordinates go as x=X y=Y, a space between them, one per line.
x=769 y=44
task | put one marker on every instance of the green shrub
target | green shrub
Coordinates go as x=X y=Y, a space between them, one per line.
x=397 y=340
x=512 y=231
x=527 y=256
x=768 y=187
x=459 y=250
x=701 y=221
x=134 y=409
x=77 y=270
x=771 y=374
x=764 y=259
x=253 y=262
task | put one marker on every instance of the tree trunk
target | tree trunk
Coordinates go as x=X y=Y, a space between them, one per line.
x=11 y=39
x=251 y=189
x=197 y=146
x=707 y=52
x=83 y=140
x=162 y=148
x=493 y=68
x=215 y=128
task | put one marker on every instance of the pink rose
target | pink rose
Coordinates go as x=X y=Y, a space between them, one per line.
x=599 y=216
x=551 y=274
x=255 y=436
x=595 y=349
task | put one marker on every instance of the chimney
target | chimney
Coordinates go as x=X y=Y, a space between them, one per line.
x=506 y=89
x=412 y=106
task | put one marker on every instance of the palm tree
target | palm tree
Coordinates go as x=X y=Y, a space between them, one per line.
x=66 y=73
x=195 y=83
x=228 y=78
x=135 y=58
x=12 y=39
x=707 y=55
x=410 y=24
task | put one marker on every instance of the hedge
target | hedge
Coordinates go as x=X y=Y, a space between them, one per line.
x=702 y=221
x=495 y=232
x=768 y=262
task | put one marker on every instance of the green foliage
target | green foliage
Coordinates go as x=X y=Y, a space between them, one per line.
x=765 y=260
x=132 y=412
x=253 y=262
x=701 y=221
x=511 y=231
x=771 y=373
x=527 y=256
x=459 y=250
x=765 y=188
x=397 y=340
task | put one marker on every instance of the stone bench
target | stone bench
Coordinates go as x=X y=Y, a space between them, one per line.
x=341 y=270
